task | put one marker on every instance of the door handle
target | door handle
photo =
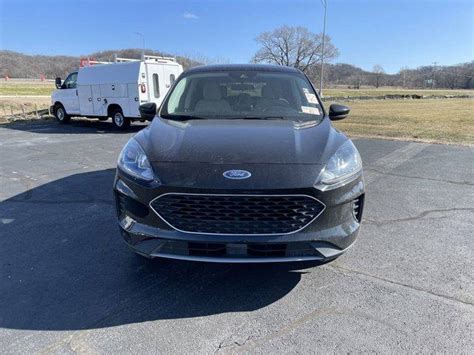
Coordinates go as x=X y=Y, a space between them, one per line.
x=76 y=93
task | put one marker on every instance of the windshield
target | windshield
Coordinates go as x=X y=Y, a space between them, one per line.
x=243 y=95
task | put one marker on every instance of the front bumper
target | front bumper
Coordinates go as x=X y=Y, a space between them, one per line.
x=327 y=237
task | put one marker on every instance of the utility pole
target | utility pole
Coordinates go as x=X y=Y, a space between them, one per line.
x=143 y=43
x=403 y=72
x=433 y=75
x=325 y=4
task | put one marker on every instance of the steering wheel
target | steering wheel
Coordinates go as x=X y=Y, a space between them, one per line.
x=285 y=101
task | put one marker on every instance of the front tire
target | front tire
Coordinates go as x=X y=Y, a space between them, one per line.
x=60 y=114
x=119 y=120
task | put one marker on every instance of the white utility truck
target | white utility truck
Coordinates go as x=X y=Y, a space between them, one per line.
x=114 y=89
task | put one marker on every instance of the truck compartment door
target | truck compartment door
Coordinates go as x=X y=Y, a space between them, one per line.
x=86 y=105
x=98 y=101
x=133 y=99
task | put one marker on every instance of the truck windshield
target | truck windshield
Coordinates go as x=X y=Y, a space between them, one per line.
x=243 y=95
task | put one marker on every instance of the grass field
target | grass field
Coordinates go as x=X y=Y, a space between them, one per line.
x=33 y=88
x=437 y=120
x=342 y=92
x=443 y=120
x=26 y=88
x=18 y=105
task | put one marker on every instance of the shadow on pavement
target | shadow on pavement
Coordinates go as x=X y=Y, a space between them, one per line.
x=75 y=126
x=65 y=267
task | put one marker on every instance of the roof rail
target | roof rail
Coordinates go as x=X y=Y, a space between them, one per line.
x=158 y=58
x=118 y=59
x=155 y=58
x=97 y=62
x=86 y=62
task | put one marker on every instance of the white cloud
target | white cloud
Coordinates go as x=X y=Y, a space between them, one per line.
x=190 y=16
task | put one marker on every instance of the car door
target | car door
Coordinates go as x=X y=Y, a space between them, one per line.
x=69 y=94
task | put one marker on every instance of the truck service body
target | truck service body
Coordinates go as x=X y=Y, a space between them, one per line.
x=115 y=89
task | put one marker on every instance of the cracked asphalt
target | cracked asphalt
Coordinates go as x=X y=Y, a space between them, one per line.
x=69 y=284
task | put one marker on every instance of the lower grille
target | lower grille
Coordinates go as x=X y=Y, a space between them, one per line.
x=251 y=250
x=267 y=250
x=237 y=214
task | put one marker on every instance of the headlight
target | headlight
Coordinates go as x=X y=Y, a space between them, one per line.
x=133 y=160
x=344 y=165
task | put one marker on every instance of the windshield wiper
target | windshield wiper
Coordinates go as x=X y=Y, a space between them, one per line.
x=260 y=118
x=183 y=117
x=192 y=117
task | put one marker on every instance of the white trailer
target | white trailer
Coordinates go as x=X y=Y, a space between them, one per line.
x=114 y=89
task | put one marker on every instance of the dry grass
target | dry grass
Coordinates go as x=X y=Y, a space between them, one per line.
x=440 y=120
x=24 y=87
x=343 y=92
x=18 y=105
x=443 y=121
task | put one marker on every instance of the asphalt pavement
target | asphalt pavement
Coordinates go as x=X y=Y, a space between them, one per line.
x=69 y=284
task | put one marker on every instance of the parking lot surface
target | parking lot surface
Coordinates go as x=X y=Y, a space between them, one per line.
x=69 y=284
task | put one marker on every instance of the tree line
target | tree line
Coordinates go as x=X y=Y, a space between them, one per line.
x=300 y=48
x=18 y=65
x=291 y=46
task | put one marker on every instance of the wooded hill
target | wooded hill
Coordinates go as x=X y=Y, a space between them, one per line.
x=18 y=65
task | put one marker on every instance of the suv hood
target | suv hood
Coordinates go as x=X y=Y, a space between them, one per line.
x=239 y=141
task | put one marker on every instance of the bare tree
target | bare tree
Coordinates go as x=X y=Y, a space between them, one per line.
x=378 y=73
x=404 y=74
x=293 y=46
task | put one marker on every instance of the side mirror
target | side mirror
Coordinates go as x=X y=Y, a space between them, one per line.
x=58 y=83
x=338 y=112
x=147 y=111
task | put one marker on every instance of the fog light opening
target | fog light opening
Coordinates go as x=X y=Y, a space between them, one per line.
x=357 y=208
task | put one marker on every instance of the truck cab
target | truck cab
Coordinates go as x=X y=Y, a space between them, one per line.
x=66 y=96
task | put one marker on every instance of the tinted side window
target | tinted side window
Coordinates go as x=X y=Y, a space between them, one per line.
x=172 y=79
x=70 y=82
x=156 y=85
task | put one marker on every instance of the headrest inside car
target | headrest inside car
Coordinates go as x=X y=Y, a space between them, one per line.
x=211 y=91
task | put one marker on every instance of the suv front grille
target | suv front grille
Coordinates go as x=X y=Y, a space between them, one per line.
x=237 y=214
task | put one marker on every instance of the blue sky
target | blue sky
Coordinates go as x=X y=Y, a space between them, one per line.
x=393 y=33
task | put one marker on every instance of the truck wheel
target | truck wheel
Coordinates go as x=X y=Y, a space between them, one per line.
x=60 y=114
x=120 y=121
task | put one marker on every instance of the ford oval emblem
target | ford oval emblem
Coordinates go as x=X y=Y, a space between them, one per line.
x=237 y=174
